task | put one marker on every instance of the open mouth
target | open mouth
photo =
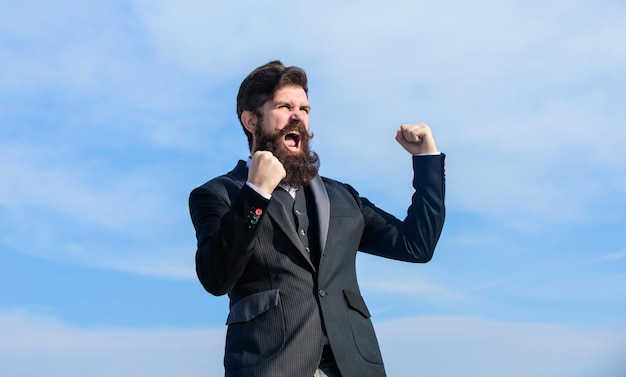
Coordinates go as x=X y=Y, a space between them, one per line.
x=292 y=141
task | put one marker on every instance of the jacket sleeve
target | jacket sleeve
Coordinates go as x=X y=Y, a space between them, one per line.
x=225 y=232
x=415 y=238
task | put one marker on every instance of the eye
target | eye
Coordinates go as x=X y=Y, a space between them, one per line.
x=306 y=109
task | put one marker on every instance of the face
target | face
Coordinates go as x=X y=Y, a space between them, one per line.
x=290 y=105
x=283 y=130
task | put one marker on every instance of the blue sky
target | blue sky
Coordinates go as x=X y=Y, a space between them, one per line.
x=112 y=112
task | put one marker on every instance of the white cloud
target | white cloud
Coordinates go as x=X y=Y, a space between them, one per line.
x=41 y=346
x=410 y=285
x=110 y=219
x=458 y=346
x=45 y=184
x=37 y=178
x=397 y=40
x=74 y=48
x=34 y=345
x=167 y=262
x=614 y=256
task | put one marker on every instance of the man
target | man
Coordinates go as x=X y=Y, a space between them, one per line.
x=282 y=241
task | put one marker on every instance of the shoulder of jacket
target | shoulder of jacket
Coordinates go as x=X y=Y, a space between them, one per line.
x=336 y=186
x=233 y=179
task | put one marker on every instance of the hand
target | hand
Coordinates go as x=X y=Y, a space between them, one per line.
x=416 y=139
x=265 y=171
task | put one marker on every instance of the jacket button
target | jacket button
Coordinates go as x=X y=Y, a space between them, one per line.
x=322 y=293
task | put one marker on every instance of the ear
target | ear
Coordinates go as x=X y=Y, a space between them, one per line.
x=249 y=121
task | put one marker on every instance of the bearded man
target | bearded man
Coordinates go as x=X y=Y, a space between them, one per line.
x=281 y=241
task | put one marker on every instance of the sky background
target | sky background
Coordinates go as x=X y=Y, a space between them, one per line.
x=111 y=112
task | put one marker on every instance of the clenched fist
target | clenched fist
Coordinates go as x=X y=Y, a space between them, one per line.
x=265 y=171
x=416 y=139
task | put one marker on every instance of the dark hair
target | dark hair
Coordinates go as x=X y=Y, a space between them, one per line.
x=261 y=85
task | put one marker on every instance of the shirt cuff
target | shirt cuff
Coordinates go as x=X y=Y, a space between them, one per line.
x=428 y=154
x=259 y=191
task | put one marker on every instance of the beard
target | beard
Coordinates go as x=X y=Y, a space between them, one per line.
x=302 y=166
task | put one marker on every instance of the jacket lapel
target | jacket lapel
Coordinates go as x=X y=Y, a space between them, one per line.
x=322 y=204
x=278 y=209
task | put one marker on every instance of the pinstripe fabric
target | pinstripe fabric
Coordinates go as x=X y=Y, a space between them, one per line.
x=280 y=303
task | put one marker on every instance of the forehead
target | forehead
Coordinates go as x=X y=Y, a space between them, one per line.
x=294 y=94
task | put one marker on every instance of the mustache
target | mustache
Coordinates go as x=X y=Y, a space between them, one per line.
x=295 y=126
x=271 y=142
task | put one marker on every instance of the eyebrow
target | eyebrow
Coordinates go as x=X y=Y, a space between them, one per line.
x=289 y=103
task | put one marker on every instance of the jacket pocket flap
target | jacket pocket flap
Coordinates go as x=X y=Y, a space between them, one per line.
x=356 y=302
x=252 y=306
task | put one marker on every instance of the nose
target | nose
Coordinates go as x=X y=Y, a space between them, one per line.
x=296 y=115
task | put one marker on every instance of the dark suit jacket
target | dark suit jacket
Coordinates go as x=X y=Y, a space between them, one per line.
x=280 y=302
